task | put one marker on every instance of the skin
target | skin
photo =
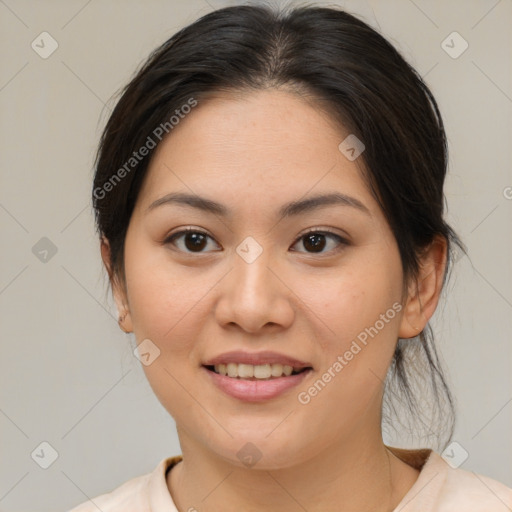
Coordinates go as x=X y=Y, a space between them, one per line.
x=253 y=153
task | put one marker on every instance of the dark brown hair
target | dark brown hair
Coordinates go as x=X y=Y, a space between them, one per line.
x=357 y=76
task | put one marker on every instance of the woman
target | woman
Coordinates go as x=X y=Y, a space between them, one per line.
x=269 y=197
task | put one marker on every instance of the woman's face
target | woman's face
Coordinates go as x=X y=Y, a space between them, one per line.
x=249 y=285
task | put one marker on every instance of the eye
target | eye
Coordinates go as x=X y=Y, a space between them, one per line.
x=194 y=240
x=315 y=241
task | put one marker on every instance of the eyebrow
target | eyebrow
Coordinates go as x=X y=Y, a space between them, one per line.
x=287 y=210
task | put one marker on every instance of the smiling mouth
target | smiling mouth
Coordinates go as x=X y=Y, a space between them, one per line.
x=256 y=372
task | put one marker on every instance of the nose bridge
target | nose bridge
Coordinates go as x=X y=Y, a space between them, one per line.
x=254 y=296
x=251 y=273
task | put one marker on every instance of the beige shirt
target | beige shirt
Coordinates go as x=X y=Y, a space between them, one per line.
x=439 y=488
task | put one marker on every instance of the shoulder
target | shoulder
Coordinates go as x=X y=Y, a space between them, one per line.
x=475 y=492
x=135 y=494
x=443 y=488
x=130 y=494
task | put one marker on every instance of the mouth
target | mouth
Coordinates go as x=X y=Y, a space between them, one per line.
x=258 y=378
x=259 y=372
x=255 y=376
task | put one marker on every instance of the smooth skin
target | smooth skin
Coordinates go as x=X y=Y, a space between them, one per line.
x=253 y=152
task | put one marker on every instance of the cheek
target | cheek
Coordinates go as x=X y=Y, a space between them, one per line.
x=349 y=300
x=165 y=304
x=168 y=307
x=361 y=308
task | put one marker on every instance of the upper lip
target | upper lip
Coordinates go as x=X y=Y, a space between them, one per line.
x=256 y=358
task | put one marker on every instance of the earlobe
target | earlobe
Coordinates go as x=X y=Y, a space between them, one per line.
x=426 y=289
x=124 y=321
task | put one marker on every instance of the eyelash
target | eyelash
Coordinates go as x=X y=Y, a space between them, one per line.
x=342 y=241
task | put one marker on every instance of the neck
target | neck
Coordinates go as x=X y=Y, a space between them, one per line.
x=358 y=474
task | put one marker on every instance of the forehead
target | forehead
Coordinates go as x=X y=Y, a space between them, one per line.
x=259 y=146
x=261 y=118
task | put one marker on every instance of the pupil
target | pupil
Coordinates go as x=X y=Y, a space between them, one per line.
x=316 y=241
x=197 y=241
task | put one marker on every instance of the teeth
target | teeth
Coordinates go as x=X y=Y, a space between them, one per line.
x=245 y=371
x=262 y=371
x=232 y=370
x=276 y=370
x=259 y=371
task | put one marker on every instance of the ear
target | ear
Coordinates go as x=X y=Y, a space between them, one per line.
x=425 y=290
x=118 y=289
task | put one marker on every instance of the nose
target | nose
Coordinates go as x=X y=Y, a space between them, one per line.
x=255 y=296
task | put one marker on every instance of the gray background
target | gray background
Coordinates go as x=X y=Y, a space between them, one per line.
x=68 y=374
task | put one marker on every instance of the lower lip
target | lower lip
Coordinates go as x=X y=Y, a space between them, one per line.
x=256 y=390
